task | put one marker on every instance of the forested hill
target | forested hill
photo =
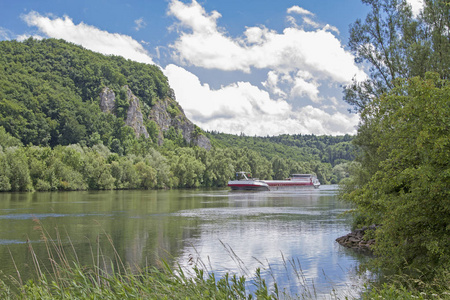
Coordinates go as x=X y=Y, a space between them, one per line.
x=326 y=149
x=72 y=119
x=56 y=93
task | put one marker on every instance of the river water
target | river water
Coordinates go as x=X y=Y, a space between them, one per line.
x=290 y=235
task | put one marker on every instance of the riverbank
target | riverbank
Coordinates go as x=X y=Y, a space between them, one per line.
x=357 y=239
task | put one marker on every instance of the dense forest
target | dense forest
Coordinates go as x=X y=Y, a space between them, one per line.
x=49 y=93
x=327 y=149
x=55 y=136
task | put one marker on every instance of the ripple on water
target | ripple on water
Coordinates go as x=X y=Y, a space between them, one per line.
x=44 y=216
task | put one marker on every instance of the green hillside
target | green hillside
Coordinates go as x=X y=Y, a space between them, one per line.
x=49 y=93
x=72 y=119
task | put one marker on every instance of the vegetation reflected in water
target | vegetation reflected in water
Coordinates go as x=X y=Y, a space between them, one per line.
x=281 y=233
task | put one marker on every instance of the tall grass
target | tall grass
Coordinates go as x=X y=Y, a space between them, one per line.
x=60 y=275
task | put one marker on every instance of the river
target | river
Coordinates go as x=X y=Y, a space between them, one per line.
x=290 y=235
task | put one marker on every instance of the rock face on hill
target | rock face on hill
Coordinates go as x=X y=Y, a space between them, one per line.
x=134 y=115
x=165 y=113
x=107 y=100
x=134 y=118
x=168 y=113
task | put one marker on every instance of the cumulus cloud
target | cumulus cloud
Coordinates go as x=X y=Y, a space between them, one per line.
x=89 y=37
x=202 y=43
x=316 y=51
x=243 y=107
x=23 y=37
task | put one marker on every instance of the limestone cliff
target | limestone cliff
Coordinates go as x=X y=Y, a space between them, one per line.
x=165 y=113
x=134 y=115
x=168 y=113
x=107 y=100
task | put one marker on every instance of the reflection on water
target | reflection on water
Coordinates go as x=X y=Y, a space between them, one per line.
x=290 y=236
x=286 y=234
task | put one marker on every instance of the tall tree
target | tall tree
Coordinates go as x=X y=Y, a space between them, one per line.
x=397 y=44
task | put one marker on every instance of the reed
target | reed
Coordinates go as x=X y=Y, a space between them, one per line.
x=61 y=276
x=110 y=278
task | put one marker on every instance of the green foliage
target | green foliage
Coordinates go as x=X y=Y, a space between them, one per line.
x=186 y=168
x=174 y=138
x=6 y=140
x=398 y=45
x=16 y=169
x=49 y=92
x=404 y=287
x=404 y=181
x=327 y=149
x=290 y=154
x=173 y=110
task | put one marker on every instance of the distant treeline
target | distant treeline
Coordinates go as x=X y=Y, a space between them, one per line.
x=77 y=167
x=334 y=150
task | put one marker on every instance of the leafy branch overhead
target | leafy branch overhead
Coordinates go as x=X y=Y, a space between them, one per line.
x=397 y=44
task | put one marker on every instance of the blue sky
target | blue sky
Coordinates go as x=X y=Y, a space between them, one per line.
x=256 y=67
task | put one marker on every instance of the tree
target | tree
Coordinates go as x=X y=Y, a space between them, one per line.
x=280 y=168
x=405 y=164
x=398 y=45
x=146 y=174
x=19 y=174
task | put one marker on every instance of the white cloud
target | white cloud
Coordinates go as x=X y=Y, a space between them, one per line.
x=299 y=10
x=311 y=22
x=89 y=37
x=271 y=84
x=140 y=23
x=5 y=34
x=23 y=37
x=318 y=52
x=291 y=58
x=331 y=28
x=416 y=6
x=189 y=14
x=306 y=85
x=242 y=107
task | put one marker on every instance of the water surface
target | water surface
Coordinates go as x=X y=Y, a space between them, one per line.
x=289 y=235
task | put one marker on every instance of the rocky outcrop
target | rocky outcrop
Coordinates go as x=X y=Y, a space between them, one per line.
x=202 y=141
x=135 y=118
x=168 y=113
x=107 y=100
x=165 y=113
x=355 y=239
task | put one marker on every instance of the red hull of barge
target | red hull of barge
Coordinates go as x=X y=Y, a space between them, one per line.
x=296 y=181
